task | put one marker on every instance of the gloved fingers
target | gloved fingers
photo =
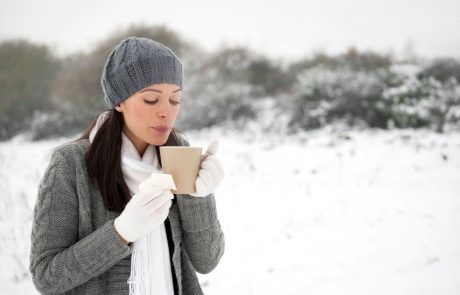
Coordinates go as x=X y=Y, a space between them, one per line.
x=213 y=160
x=206 y=177
x=160 y=214
x=219 y=167
x=148 y=195
x=210 y=166
x=164 y=209
x=213 y=147
x=162 y=197
x=199 y=186
x=169 y=194
x=157 y=203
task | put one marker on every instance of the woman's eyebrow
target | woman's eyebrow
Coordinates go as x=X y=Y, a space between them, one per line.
x=159 y=91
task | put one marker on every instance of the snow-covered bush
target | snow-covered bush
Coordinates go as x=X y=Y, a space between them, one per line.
x=218 y=91
x=387 y=97
x=425 y=102
x=326 y=95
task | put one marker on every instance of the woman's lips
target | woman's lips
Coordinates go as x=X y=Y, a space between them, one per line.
x=161 y=129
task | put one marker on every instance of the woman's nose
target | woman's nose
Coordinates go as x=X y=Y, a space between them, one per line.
x=164 y=111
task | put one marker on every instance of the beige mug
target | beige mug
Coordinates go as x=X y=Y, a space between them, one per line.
x=183 y=163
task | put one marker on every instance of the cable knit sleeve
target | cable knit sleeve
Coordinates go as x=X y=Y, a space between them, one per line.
x=59 y=261
x=202 y=232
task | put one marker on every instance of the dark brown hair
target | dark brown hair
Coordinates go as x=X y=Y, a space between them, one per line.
x=103 y=160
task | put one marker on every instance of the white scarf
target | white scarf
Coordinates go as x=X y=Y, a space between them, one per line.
x=150 y=264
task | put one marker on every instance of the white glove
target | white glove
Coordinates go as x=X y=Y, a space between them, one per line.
x=210 y=174
x=146 y=210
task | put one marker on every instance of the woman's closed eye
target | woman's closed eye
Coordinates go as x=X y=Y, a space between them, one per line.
x=147 y=101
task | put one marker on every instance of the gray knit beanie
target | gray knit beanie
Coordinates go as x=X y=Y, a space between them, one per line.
x=136 y=63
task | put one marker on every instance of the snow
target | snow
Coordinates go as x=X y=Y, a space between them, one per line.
x=320 y=212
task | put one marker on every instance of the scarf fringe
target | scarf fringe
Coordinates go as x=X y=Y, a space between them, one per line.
x=139 y=281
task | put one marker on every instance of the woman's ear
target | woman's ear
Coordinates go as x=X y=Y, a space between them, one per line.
x=118 y=108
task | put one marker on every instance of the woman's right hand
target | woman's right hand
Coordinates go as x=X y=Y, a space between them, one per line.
x=145 y=211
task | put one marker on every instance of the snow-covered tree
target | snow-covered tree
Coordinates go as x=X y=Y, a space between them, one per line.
x=425 y=102
x=326 y=95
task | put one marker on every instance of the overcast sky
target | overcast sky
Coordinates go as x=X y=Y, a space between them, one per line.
x=287 y=28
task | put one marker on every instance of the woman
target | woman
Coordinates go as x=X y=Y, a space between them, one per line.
x=90 y=213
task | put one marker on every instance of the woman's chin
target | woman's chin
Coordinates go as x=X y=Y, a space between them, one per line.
x=159 y=140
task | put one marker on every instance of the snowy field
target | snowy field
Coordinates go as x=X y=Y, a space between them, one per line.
x=355 y=212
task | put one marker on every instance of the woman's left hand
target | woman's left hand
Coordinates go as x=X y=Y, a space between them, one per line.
x=210 y=174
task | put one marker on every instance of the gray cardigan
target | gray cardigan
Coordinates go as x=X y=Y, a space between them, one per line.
x=76 y=250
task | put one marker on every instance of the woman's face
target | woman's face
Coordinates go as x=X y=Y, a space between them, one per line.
x=147 y=111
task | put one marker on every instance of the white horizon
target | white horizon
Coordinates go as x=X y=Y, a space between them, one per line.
x=287 y=30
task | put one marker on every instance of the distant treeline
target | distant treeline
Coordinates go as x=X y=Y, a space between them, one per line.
x=47 y=96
